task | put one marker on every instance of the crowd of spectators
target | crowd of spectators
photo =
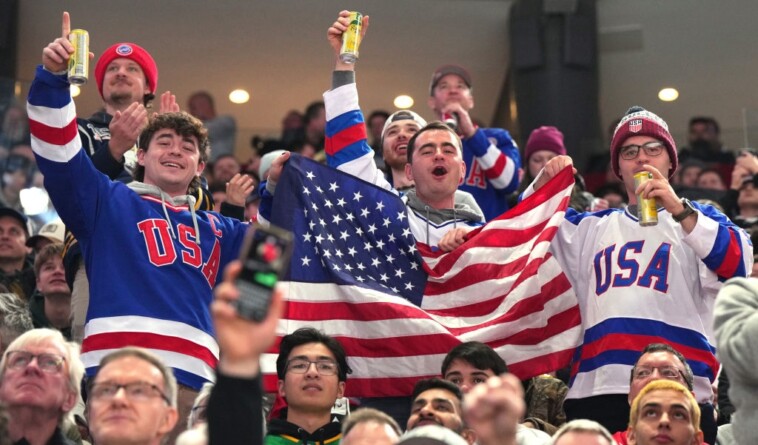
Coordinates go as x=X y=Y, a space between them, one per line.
x=647 y=371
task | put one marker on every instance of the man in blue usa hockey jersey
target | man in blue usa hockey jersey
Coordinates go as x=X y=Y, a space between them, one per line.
x=151 y=258
x=638 y=285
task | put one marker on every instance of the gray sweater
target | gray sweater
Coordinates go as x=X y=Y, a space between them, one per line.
x=736 y=328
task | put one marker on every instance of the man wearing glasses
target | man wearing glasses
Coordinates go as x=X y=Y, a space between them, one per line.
x=641 y=284
x=659 y=361
x=132 y=399
x=39 y=384
x=312 y=370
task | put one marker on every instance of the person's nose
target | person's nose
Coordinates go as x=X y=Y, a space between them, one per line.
x=311 y=372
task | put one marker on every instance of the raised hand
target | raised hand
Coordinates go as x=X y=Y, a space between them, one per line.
x=465 y=125
x=494 y=408
x=276 y=167
x=242 y=341
x=238 y=188
x=660 y=189
x=125 y=128
x=551 y=169
x=168 y=103
x=334 y=35
x=56 y=54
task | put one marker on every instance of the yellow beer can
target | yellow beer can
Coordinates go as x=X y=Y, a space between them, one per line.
x=647 y=211
x=351 y=38
x=78 y=64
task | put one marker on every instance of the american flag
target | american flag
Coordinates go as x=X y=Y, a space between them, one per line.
x=357 y=274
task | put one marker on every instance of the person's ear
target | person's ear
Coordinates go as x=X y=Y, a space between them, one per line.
x=469 y=435
x=408 y=172
x=340 y=390
x=631 y=438
x=170 y=417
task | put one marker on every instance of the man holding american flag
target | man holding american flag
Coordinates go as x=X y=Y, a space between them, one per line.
x=400 y=281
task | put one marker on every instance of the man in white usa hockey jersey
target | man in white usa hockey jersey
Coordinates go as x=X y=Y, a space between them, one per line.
x=637 y=285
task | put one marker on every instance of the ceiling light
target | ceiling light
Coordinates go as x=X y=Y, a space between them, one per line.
x=75 y=90
x=403 y=101
x=239 y=96
x=668 y=94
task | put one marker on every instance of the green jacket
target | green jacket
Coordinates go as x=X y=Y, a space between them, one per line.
x=281 y=432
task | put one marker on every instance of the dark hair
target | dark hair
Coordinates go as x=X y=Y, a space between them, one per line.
x=312 y=111
x=205 y=95
x=225 y=155
x=185 y=125
x=611 y=187
x=434 y=125
x=478 y=355
x=710 y=170
x=377 y=113
x=435 y=383
x=307 y=335
x=662 y=347
x=707 y=120
x=216 y=186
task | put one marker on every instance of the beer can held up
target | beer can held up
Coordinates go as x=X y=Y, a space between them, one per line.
x=78 y=64
x=647 y=211
x=351 y=38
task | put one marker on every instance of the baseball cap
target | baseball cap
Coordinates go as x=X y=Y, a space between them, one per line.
x=444 y=70
x=266 y=161
x=55 y=231
x=15 y=214
x=403 y=115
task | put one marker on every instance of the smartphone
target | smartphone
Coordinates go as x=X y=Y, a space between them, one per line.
x=265 y=258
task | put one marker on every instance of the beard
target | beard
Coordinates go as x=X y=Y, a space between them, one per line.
x=122 y=98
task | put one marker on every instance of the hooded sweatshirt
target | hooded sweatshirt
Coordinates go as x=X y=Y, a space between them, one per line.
x=349 y=151
x=152 y=260
x=428 y=224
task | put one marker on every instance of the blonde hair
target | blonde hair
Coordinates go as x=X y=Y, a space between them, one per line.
x=663 y=385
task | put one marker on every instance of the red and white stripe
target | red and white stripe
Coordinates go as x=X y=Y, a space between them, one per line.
x=502 y=288
x=54 y=132
x=180 y=344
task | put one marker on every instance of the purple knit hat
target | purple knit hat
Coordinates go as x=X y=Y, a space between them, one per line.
x=544 y=138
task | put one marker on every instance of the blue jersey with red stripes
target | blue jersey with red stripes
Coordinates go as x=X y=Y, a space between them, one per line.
x=492 y=163
x=152 y=262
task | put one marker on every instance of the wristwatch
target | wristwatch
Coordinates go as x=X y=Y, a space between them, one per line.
x=688 y=210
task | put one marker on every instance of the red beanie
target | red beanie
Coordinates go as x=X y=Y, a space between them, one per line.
x=544 y=138
x=640 y=122
x=128 y=51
